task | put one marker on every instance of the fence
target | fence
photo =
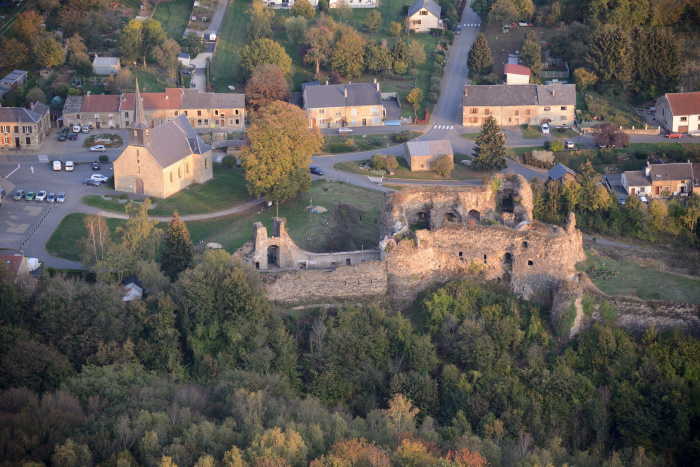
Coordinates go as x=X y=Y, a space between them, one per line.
x=36 y=226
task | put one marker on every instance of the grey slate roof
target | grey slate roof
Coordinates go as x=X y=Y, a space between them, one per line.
x=558 y=171
x=175 y=140
x=429 y=5
x=318 y=97
x=40 y=109
x=19 y=115
x=73 y=104
x=520 y=94
x=636 y=178
x=193 y=99
x=429 y=148
x=678 y=171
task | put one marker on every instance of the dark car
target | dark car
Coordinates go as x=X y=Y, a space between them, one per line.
x=315 y=170
x=73 y=136
x=458 y=29
x=91 y=182
x=95 y=166
x=62 y=137
x=2 y=193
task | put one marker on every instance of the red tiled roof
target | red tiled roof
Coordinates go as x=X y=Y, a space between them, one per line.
x=12 y=261
x=514 y=69
x=100 y=104
x=171 y=99
x=684 y=103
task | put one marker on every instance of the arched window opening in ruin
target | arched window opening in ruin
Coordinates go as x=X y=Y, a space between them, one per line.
x=273 y=256
x=506 y=202
x=530 y=263
x=420 y=221
x=449 y=217
x=524 y=245
x=474 y=215
x=508 y=261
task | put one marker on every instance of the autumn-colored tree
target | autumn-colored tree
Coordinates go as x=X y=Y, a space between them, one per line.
x=48 y=52
x=347 y=57
x=13 y=53
x=608 y=135
x=27 y=27
x=318 y=40
x=122 y=82
x=267 y=84
x=416 y=53
x=140 y=234
x=75 y=46
x=490 y=152
x=394 y=29
x=260 y=20
x=584 y=78
x=275 y=444
x=354 y=452
x=401 y=415
x=373 y=20
x=178 y=252
x=416 y=452
x=303 y=8
x=131 y=41
x=443 y=166
x=415 y=97
x=276 y=161
x=465 y=458
x=166 y=56
x=262 y=51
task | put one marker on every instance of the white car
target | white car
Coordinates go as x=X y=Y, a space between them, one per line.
x=98 y=148
x=61 y=198
x=99 y=178
x=545 y=129
x=51 y=198
x=344 y=131
x=694 y=134
x=41 y=196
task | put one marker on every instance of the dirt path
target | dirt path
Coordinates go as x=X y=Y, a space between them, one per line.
x=614 y=244
x=248 y=205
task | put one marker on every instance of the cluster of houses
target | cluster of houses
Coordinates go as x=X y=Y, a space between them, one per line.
x=659 y=180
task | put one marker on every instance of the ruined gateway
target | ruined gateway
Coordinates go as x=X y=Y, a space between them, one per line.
x=429 y=235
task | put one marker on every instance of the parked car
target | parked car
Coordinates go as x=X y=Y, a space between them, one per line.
x=30 y=196
x=3 y=192
x=61 y=198
x=41 y=196
x=51 y=198
x=76 y=128
x=622 y=200
x=95 y=166
x=91 y=182
x=569 y=145
x=545 y=129
x=315 y=170
x=86 y=129
x=344 y=131
x=57 y=166
x=62 y=137
x=694 y=134
x=674 y=135
x=458 y=29
x=99 y=178
x=70 y=166
x=19 y=194
x=73 y=136
x=98 y=148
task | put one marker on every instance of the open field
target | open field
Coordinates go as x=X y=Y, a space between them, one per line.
x=227 y=189
x=71 y=229
x=174 y=16
x=351 y=220
x=638 y=278
x=460 y=171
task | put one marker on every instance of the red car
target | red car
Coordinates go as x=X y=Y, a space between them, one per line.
x=674 y=135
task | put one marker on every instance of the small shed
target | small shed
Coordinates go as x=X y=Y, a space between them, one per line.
x=561 y=173
x=184 y=59
x=516 y=74
x=420 y=155
x=106 y=65
x=13 y=80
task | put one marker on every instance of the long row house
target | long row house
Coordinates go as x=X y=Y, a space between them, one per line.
x=204 y=110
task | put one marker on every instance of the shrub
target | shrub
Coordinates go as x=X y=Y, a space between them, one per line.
x=376 y=141
x=400 y=67
x=555 y=145
x=123 y=196
x=323 y=5
x=433 y=97
x=491 y=78
x=350 y=142
x=450 y=35
x=104 y=158
x=608 y=312
x=443 y=166
x=401 y=137
x=543 y=156
x=434 y=88
x=383 y=162
x=435 y=81
x=229 y=161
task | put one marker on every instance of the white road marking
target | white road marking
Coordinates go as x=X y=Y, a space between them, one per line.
x=465 y=25
x=43 y=158
x=32 y=167
x=8 y=175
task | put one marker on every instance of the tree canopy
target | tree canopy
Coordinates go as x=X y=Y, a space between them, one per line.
x=490 y=152
x=262 y=51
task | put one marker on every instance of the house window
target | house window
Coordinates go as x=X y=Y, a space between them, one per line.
x=199 y=122
x=6 y=140
x=187 y=168
x=353 y=112
x=126 y=114
x=529 y=262
x=6 y=129
x=416 y=21
x=16 y=129
x=321 y=111
x=517 y=112
x=337 y=122
x=527 y=112
x=510 y=119
x=179 y=172
x=177 y=113
x=337 y=113
x=185 y=113
x=353 y=122
x=563 y=107
x=487 y=112
x=138 y=169
x=321 y=121
x=546 y=109
x=236 y=111
x=206 y=121
x=28 y=140
x=230 y=122
x=77 y=116
x=474 y=110
x=237 y=122
x=375 y=120
x=206 y=163
x=26 y=129
x=199 y=113
x=374 y=110
x=562 y=118
x=424 y=12
x=216 y=112
x=684 y=119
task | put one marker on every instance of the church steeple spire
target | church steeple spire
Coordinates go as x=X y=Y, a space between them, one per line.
x=140 y=129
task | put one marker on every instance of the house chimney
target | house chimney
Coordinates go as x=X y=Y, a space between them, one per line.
x=554 y=92
x=647 y=169
x=376 y=84
x=465 y=91
x=346 y=91
x=326 y=82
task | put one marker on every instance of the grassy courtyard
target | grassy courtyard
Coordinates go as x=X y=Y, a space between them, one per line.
x=227 y=189
x=64 y=240
x=174 y=16
x=460 y=171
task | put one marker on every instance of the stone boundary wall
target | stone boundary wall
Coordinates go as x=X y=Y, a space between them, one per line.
x=364 y=280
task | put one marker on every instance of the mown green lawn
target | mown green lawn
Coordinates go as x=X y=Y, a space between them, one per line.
x=63 y=241
x=460 y=171
x=174 y=16
x=233 y=36
x=227 y=189
x=533 y=132
x=470 y=136
x=148 y=80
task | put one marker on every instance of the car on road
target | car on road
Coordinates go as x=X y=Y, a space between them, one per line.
x=51 y=198
x=98 y=148
x=315 y=170
x=569 y=144
x=41 y=196
x=86 y=129
x=73 y=136
x=19 y=194
x=458 y=29
x=91 y=182
x=694 y=134
x=344 y=131
x=62 y=137
x=95 y=166
x=674 y=135
x=70 y=166
x=99 y=178
x=61 y=198
x=30 y=196
x=57 y=166
x=545 y=129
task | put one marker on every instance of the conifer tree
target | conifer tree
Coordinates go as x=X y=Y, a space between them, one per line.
x=655 y=62
x=178 y=252
x=490 y=151
x=531 y=51
x=480 y=60
x=608 y=57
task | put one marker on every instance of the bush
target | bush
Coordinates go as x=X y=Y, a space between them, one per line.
x=491 y=78
x=401 y=137
x=543 y=156
x=376 y=141
x=608 y=312
x=443 y=166
x=123 y=196
x=383 y=162
x=433 y=97
x=104 y=158
x=400 y=67
x=323 y=5
x=450 y=35
x=434 y=88
x=229 y=161
x=529 y=159
x=555 y=145
x=435 y=81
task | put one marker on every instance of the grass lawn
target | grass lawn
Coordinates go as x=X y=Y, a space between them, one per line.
x=348 y=143
x=227 y=189
x=564 y=132
x=533 y=132
x=520 y=151
x=174 y=16
x=234 y=35
x=350 y=222
x=612 y=108
x=460 y=171
x=470 y=136
x=632 y=278
x=148 y=79
x=71 y=229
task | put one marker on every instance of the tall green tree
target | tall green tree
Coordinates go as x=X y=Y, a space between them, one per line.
x=131 y=41
x=140 y=234
x=377 y=58
x=48 y=52
x=347 y=57
x=608 y=57
x=262 y=51
x=655 y=62
x=479 y=60
x=178 y=252
x=303 y=8
x=373 y=20
x=277 y=159
x=531 y=51
x=260 y=20
x=319 y=40
x=503 y=12
x=490 y=152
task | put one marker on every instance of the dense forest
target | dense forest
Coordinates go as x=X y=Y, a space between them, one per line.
x=207 y=372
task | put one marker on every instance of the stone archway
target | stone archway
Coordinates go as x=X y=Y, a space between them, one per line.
x=138 y=186
x=474 y=215
x=508 y=262
x=273 y=256
x=420 y=220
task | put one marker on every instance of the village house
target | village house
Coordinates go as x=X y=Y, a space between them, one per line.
x=101 y=111
x=679 y=112
x=337 y=105
x=635 y=183
x=519 y=104
x=420 y=155
x=13 y=80
x=516 y=74
x=660 y=180
x=162 y=160
x=209 y=110
x=22 y=128
x=561 y=173
x=424 y=15
x=159 y=107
